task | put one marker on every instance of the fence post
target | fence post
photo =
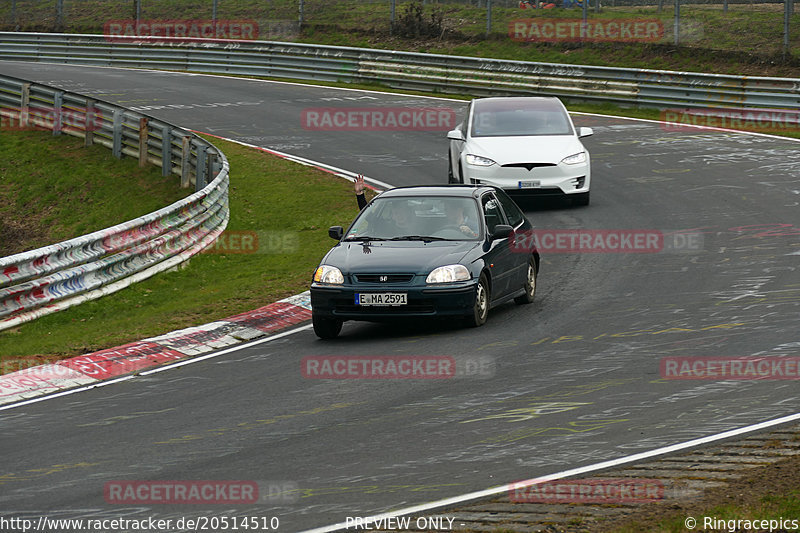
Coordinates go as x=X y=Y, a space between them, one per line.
x=166 y=151
x=116 y=149
x=201 y=166
x=786 y=15
x=58 y=101
x=677 y=21
x=59 y=16
x=144 y=135
x=24 y=102
x=89 y=123
x=301 y=13
x=488 y=17
x=186 y=154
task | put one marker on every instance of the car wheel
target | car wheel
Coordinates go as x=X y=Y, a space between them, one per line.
x=580 y=198
x=450 y=177
x=530 y=285
x=460 y=174
x=481 y=308
x=326 y=327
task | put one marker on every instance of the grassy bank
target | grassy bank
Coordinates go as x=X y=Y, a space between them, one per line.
x=745 y=39
x=53 y=189
x=284 y=207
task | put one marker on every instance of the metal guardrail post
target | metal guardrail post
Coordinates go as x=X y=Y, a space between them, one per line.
x=201 y=167
x=24 y=102
x=116 y=149
x=89 y=123
x=166 y=151
x=144 y=136
x=186 y=153
x=58 y=105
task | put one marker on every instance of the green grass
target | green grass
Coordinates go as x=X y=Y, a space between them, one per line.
x=784 y=506
x=54 y=189
x=268 y=195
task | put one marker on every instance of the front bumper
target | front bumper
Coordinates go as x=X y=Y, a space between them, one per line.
x=551 y=180
x=452 y=299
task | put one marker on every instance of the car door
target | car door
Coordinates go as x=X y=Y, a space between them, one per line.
x=499 y=256
x=516 y=219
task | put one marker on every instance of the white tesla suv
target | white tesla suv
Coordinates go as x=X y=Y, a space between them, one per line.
x=524 y=145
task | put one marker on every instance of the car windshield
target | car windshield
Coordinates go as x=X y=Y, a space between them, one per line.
x=417 y=218
x=505 y=119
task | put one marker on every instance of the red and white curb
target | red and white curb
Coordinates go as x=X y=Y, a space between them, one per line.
x=181 y=344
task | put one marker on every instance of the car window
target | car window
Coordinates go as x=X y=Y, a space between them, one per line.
x=492 y=212
x=506 y=119
x=513 y=212
x=465 y=121
x=448 y=218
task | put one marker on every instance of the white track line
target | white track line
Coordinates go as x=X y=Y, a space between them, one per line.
x=157 y=369
x=424 y=508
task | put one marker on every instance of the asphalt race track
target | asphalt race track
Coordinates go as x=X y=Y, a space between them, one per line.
x=571 y=380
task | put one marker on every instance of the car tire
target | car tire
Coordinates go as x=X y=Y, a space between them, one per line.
x=326 y=327
x=529 y=286
x=450 y=177
x=480 y=310
x=580 y=198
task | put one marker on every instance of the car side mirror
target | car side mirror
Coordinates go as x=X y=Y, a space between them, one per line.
x=455 y=135
x=501 y=231
x=585 y=132
x=336 y=232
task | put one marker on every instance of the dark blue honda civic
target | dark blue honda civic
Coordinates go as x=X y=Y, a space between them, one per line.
x=425 y=252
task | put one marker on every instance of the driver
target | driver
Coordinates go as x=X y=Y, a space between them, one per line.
x=455 y=217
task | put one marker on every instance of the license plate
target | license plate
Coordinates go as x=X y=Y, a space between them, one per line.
x=381 y=298
x=533 y=184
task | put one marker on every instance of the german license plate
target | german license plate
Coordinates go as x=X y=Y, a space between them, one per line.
x=533 y=184
x=381 y=298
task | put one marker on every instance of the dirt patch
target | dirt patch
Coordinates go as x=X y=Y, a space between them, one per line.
x=748 y=492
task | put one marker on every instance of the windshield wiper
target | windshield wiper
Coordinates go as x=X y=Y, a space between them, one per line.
x=364 y=238
x=418 y=238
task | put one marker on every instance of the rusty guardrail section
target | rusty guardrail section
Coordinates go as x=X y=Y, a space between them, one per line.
x=58 y=276
x=408 y=70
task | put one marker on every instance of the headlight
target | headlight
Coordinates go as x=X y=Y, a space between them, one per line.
x=479 y=161
x=448 y=274
x=328 y=274
x=574 y=159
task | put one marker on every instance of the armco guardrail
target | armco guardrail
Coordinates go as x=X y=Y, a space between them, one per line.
x=407 y=70
x=55 y=277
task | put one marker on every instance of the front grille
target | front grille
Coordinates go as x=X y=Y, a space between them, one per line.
x=529 y=166
x=378 y=278
x=417 y=308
